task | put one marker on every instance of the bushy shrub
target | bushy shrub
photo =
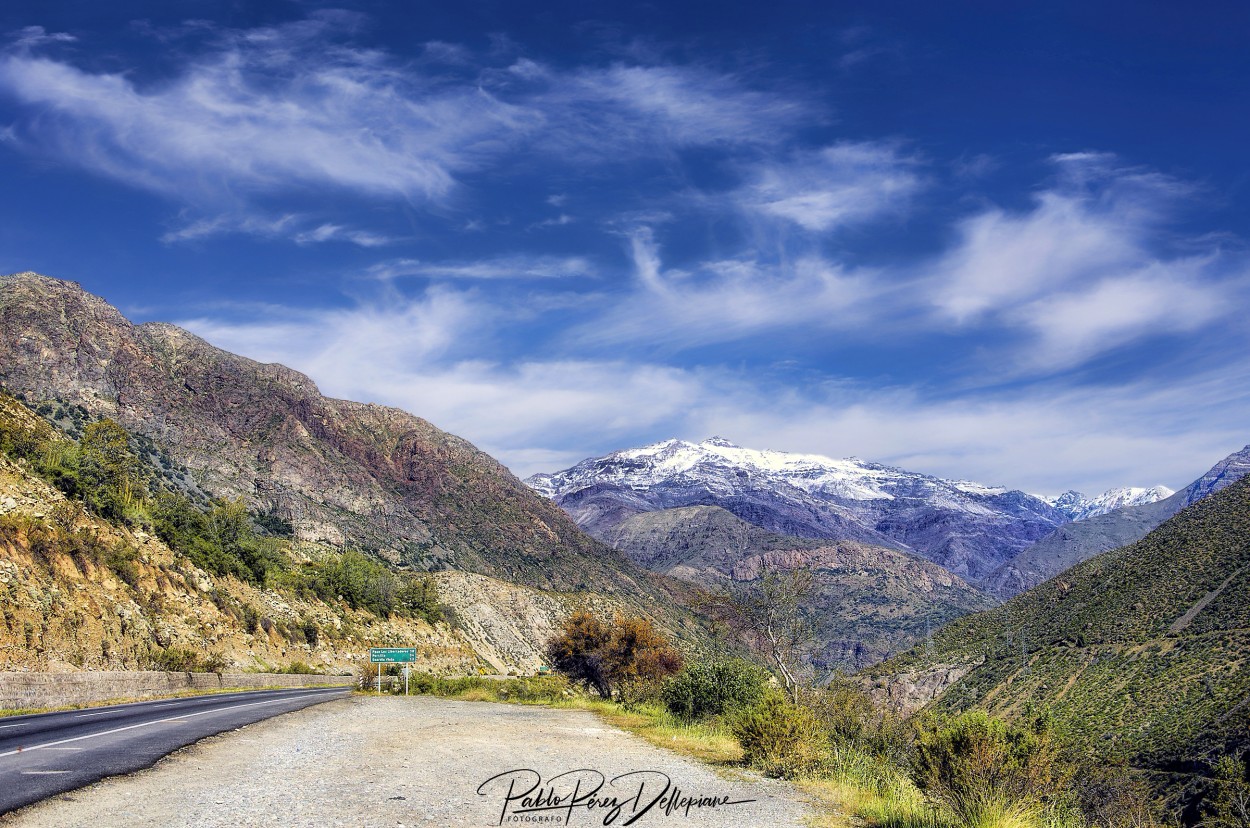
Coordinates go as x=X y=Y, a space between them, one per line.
x=780 y=738
x=986 y=771
x=1229 y=805
x=714 y=687
x=184 y=660
x=627 y=652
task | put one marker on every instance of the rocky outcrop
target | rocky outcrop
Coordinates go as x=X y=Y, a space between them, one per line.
x=905 y=693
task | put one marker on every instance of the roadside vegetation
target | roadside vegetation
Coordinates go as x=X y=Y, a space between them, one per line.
x=865 y=764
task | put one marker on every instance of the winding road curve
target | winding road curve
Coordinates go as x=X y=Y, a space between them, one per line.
x=45 y=754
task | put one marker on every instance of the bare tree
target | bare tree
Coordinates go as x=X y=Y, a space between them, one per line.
x=771 y=615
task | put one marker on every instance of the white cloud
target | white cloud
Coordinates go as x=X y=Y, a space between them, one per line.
x=290 y=226
x=271 y=110
x=732 y=299
x=833 y=187
x=507 y=267
x=424 y=355
x=1081 y=272
x=286 y=110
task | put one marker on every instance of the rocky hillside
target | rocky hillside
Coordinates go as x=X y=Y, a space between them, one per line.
x=80 y=592
x=870 y=601
x=341 y=472
x=965 y=527
x=1075 y=542
x=1140 y=652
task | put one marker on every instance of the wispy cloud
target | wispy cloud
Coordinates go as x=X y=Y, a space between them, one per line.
x=290 y=226
x=289 y=109
x=729 y=300
x=423 y=354
x=836 y=186
x=507 y=267
x=269 y=111
x=1083 y=271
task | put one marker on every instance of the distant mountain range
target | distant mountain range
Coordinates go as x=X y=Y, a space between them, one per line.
x=966 y=527
x=1079 y=507
x=1079 y=541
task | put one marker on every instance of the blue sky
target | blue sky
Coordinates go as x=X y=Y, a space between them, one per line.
x=1001 y=246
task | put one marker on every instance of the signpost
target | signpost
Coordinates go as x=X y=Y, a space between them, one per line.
x=392 y=655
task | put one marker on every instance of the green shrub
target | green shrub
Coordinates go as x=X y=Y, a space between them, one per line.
x=184 y=660
x=988 y=773
x=121 y=560
x=712 y=688
x=300 y=668
x=1229 y=806
x=780 y=738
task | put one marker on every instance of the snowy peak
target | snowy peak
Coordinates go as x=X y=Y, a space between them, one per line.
x=962 y=525
x=1078 y=507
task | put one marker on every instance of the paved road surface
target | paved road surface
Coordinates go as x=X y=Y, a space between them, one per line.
x=50 y=753
x=389 y=762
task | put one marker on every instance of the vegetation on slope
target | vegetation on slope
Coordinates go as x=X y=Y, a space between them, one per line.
x=1140 y=653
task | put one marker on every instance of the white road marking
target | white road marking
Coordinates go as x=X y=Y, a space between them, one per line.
x=156 y=722
x=20 y=724
x=101 y=713
x=63 y=748
x=41 y=773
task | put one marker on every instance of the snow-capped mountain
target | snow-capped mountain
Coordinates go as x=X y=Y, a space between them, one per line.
x=966 y=527
x=1079 y=507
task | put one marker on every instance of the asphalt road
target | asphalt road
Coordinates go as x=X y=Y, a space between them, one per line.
x=50 y=753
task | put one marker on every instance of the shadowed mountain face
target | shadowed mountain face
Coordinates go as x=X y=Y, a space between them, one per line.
x=967 y=528
x=869 y=601
x=341 y=471
x=1075 y=542
x=1140 y=652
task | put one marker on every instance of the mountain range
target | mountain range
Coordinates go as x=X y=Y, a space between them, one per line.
x=1075 y=542
x=868 y=601
x=1079 y=507
x=967 y=528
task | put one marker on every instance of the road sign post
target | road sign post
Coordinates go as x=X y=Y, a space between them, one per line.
x=393 y=655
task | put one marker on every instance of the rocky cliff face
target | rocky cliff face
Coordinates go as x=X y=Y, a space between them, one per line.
x=965 y=527
x=342 y=472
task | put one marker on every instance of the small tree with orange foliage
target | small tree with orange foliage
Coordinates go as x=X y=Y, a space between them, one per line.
x=605 y=656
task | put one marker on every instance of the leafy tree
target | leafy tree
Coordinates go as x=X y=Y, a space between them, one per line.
x=1230 y=806
x=604 y=656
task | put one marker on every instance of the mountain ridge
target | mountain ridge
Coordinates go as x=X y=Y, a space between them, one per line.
x=965 y=526
x=1080 y=540
x=343 y=473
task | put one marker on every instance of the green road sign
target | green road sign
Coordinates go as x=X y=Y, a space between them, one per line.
x=392 y=655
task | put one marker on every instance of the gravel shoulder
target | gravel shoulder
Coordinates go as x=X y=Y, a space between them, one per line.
x=415 y=762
